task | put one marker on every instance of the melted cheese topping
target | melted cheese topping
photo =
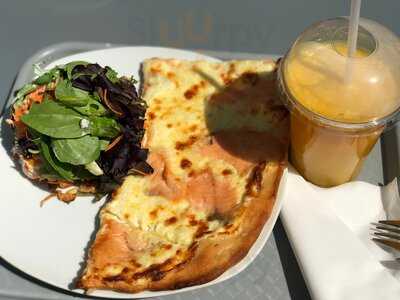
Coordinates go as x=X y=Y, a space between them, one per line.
x=181 y=118
x=165 y=222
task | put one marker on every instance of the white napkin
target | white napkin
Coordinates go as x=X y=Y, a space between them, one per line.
x=329 y=232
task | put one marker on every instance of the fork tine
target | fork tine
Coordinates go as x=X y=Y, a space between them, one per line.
x=388 y=235
x=388 y=228
x=390 y=243
x=393 y=223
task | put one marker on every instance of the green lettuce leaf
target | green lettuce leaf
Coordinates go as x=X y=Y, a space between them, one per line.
x=63 y=169
x=70 y=96
x=52 y=119
x=104 y=127
x=79 y=151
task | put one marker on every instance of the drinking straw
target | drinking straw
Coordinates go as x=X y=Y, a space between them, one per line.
x=353 y=27
x=352 y=37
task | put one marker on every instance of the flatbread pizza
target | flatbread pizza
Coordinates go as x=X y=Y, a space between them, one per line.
x=217 y=140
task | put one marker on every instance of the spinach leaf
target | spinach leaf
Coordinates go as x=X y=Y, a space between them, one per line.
x=78 y=151
x=22 y=92
x=70 y=66
x=104 y=127
x=55 y=120
x=63 y=169
x=92 y=108
x=70 y=96
x=112 y=75
x=47 y=77
x=47 y=171
x=103 y=144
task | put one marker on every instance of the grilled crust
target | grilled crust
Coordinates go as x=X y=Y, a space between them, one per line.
x=211 y=258
x=213 y=254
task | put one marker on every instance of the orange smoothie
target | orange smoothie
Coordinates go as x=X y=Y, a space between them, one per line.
x=324 y=81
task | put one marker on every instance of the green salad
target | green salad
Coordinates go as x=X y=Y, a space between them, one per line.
x=80 y=123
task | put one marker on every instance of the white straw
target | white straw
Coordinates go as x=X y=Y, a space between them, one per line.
x=353 y=27
x=352 y=37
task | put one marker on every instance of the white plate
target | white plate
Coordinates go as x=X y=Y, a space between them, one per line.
x=48 y=243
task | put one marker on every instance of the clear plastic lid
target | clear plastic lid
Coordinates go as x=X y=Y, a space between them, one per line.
x=320 y=77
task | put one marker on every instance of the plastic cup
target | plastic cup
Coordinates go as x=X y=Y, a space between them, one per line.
x=336 y=120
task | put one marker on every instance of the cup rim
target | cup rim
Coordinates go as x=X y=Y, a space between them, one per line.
x=290 y=102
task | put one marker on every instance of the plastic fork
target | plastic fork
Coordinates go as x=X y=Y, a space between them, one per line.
x=387 y=233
